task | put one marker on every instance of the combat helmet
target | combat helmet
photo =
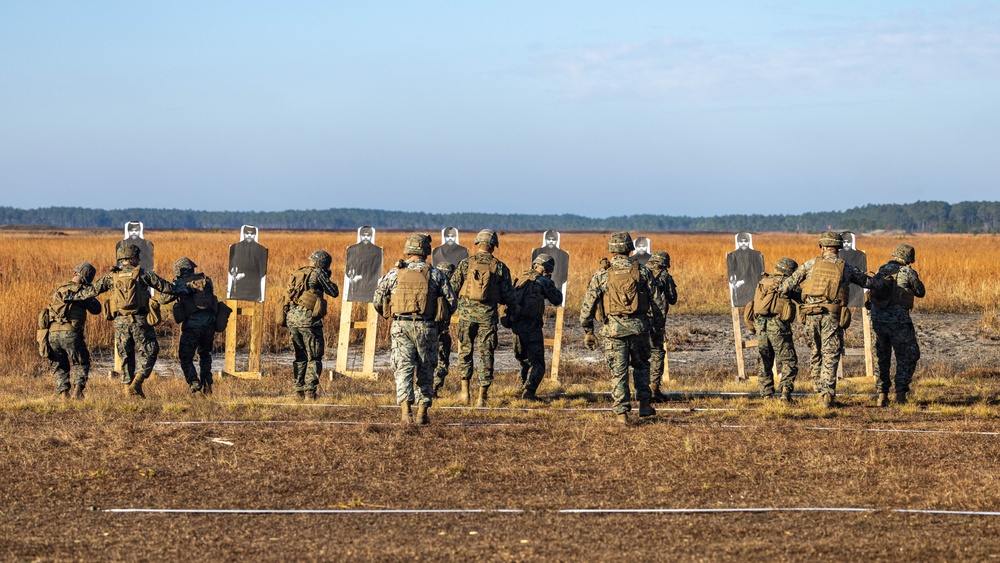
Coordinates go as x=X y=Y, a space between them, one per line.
x=786 y=266
x=184 y=265
x=127 y=251
x=86 y=271
x=659 y=258
x=906 y=253
x=545 y=261
x=489 y=236
x=831 y=239
x=417 y=244
x=620 y=243
x=321 y=258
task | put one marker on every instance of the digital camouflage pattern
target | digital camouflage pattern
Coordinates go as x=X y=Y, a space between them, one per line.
x=657 y=332
x=306 y=332
x=69 y=349
x=415 y=341
x=477 y=320
x=197 y=334
x=823 y=332
x=135 y=340
x=776 y=348
x=894 y=331
x=529 y=342
x=626 y=342
x=444 y=335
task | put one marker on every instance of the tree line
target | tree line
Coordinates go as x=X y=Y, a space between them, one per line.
x=919 y=217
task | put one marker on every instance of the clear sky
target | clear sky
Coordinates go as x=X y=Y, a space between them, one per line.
x=595 y=108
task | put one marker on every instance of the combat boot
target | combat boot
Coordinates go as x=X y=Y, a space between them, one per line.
x=405 y=415
x=64 y=394
x=311 y=394
x=437 y=390
x=463 y=395
x=76 y=392
x=422 y=417
x=529 y=395
x=658 y=397
x=901 y=397
x=828 y=400
x=883 y=400
x=645 y=409
x=135 y=388
x=483 y=397
x=622 y=418
x=206 y=388
x=786 y=395
x=300 y=395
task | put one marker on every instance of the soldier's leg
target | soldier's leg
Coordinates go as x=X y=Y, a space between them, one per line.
x=186 y=348
x=295 y=336
x=814 y=336
x=883 y=353
x=521 y=355
x=486 y=341
x=833 y=343
x=125 y=346
x=786 y=358
x=616 y=354
x=907 y=354
x=765 y=348
x=147 y=349
x=638 y=352
x=404 y=360
x=534 y=343
x=467 y=331
x=425 y=340
x=79 y=358
x=443 y=357
x=315 y=347
x=656 y=357
x=60 y=359
x=206 y=338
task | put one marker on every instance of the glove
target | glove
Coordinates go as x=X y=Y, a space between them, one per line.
x=590 y=341
x=605 y=264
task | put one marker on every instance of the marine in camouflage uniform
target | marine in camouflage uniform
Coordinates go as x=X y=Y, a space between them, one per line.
x=822 y=315
x=444 y=336
x=135 y=339
x=893 y=327
x=529 y=342
x=305 y=330
x=626 y=336
x=477 y=320
x=69 y=349
x=774 y=341
x=659 y=266
x=198 y=325
x=414 y=301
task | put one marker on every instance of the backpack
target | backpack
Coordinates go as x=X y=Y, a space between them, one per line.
x=299 y=293
x=481 y=283
x=885 y=288
x=625 y=295
x=529 y=296
x=127 y=298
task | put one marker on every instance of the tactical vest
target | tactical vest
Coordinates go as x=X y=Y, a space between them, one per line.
x=203 y=299
x=300 y=294
x=625 y=296
x=826 y=283
x=66 y=315
x=128 y=296
x=886 y=290
x=481 y=283
x=529 y=295
x=767 y=302
x=412 y=293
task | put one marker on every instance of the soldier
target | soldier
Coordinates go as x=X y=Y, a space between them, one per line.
x=659 y=266
x=135 y=339
x=631 y=302
x=67 y=318
x=410 y=295
x=773 y=315
x=481 y=282
x=195 y=313
x=444 y=335
x=824 y=282
x=306 y=309
x=892 y=324
x=533 y=288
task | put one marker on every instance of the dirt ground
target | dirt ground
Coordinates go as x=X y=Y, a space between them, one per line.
x=770 y=480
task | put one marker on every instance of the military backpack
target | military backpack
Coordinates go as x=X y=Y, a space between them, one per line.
x=481 y=283
x=529 y=295
x=886 y=291
x=128 y=296
x=626 y=296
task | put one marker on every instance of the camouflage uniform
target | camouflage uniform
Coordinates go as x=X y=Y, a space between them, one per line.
x=477 y=320
x=444 y=336
x=306 y=331
x=775 y=344
x=135 y=340
x=823 y=329
x=69 y=349
x=626 y=338
x=893 y=327
x=529 y=342
x=659 y=266
x=415 y=337
x=197 y=329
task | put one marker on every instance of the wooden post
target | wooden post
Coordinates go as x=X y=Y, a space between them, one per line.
x=370 y=326
x=255 y=311
x=741 y=344
x=556 y=343
x=866 y=328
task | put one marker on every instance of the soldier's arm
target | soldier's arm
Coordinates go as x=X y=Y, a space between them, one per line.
x=793 y=280
x=657 y=301
x=445 y=287
x=912 y=282
x=670 y=290
x=384 y=290
x=458 y=276
x=154 y=281
x=322 y=278
x=507 y=294
x=856 y=276
x=552 y=292
x=590 y=299
x=85 y=292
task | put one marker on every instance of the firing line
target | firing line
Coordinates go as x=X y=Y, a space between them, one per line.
x=564 y=511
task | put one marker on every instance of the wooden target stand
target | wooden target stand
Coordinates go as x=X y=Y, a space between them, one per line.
x=741 y=345
x=370 y=326
x=255 y=311
x=866 y=329
x=556 y=343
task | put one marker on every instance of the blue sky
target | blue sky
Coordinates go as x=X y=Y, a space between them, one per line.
x=594 y=108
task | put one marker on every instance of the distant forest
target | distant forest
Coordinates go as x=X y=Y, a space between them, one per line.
x=918 y=217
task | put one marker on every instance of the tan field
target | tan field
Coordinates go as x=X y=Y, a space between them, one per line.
x=716 y=477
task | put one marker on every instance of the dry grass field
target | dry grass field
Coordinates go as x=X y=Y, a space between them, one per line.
x=712 y=477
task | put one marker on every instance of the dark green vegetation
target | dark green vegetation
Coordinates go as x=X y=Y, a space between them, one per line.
x=921 y=216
